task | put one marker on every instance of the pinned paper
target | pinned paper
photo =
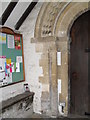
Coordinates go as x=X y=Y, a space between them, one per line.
x=8 y=61
x=12 y=64
x=17 y=42
x=2 y=63
x=58 y=58
x=10 y=41
x=2 y=38
x=9 y=78
x=59 y=85
x=10 y=68
x=5 y=69
x=2 y=76
x=59 y=88
x=17 y=67
x=19 y=59
x=2 y=68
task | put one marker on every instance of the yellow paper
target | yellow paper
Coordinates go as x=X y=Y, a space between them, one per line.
x=0 y=37
x=3 y=37
x=8 y=61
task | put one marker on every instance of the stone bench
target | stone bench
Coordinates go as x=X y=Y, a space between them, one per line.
x=18 y=106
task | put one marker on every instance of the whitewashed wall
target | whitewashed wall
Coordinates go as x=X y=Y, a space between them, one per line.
x=31 y=58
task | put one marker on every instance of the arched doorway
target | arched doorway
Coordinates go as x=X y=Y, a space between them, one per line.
x=79 y=65
x=57 y=32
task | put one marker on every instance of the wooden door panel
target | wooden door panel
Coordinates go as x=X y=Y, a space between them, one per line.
x=79 y=65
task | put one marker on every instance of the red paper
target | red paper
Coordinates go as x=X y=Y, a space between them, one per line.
x=10 y=69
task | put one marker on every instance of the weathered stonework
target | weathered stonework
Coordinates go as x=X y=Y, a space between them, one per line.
x=57 y=40
x=69 y=15
x=51 y=72
x=48 y=64
x=62 y=45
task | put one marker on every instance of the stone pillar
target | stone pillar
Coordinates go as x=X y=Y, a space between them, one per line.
x=62 y=71
x=53 y=79
x=49 y=51
x=47 y=46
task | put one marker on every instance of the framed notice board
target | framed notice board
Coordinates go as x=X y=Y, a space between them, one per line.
x=11 y=57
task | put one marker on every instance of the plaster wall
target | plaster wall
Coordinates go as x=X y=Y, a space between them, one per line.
x=31 y=58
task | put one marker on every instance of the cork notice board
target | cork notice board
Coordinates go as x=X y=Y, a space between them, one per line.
x=11 y=57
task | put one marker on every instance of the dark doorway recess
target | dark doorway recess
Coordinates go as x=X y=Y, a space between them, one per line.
x=80 y=65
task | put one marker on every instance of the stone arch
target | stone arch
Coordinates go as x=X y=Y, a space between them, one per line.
x=39 y=20
x=53 y=14
x=68 y=16
x=46 y=18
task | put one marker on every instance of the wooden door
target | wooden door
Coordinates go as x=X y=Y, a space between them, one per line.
x=79 y=65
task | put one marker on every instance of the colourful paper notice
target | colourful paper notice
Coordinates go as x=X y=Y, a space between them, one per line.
x=2 y=56
x=2 y=38
x=10 y=68
x=8 y=61
x=17 y=42
x=15 y=67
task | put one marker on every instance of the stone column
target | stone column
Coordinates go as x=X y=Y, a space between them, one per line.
x=62 y=71
x=47 y=46
x=53 y=79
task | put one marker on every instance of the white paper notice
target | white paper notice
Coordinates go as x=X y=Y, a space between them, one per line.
x=59 y=58
x=17 y=67
x=2 y=68
x=2 y=63
x=59 y=85
x=59 y=88
x=12 y=64
x=2 y=76
x=10 y=41
x=9 y=78
x=19 y=59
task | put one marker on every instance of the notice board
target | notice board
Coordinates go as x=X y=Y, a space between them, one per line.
x=11 y=57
